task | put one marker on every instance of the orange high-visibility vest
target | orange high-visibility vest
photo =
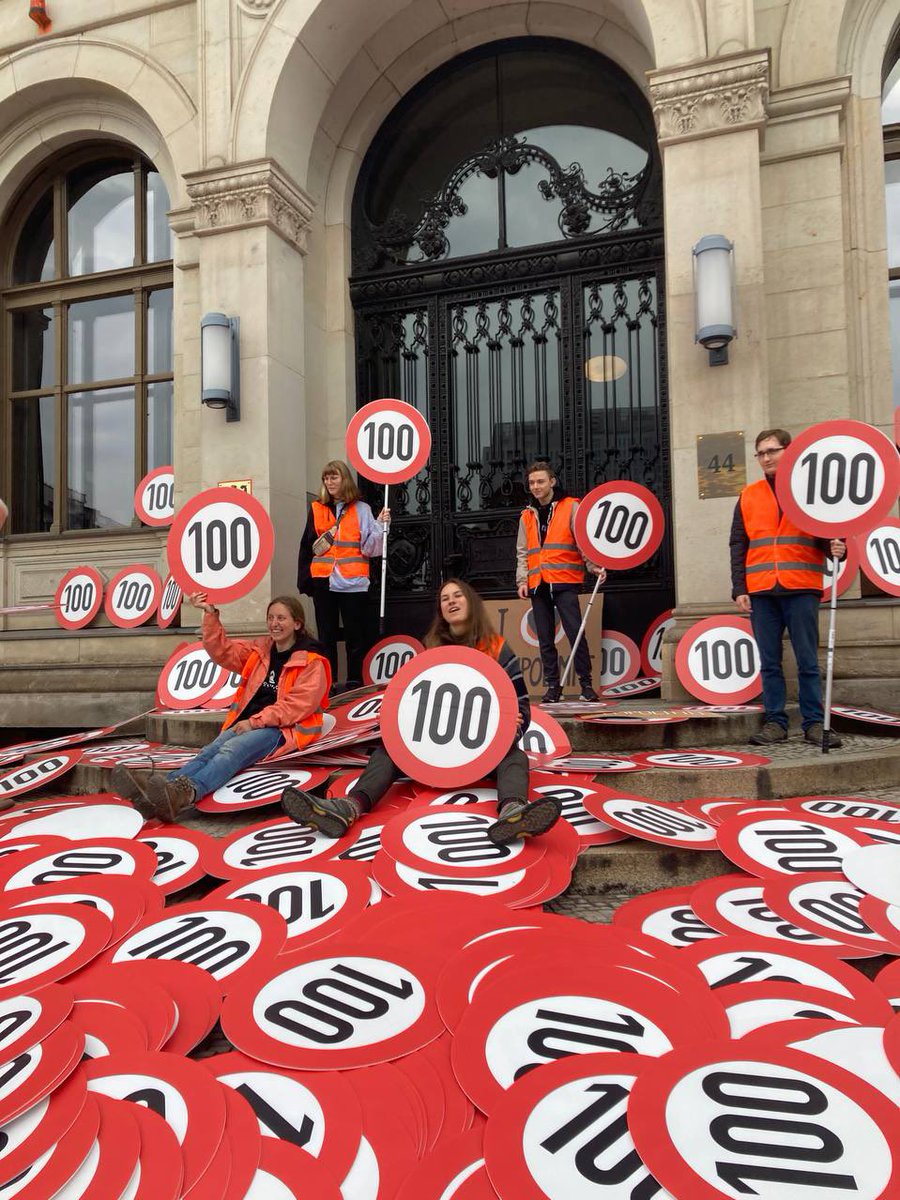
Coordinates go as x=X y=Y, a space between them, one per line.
x=299 y=735
x=779 y=552
x=345 y=551
x=559 y=559
x=491 y=646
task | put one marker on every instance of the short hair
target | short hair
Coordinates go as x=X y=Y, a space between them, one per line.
x=781 y=436
x=349 y=489
x=539 y=464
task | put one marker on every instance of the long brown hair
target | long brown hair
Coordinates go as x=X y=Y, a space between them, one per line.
x=294 y=607
x=349 y=490
x=480 y=626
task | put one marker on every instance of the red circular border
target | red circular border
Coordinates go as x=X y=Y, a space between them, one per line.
x=162 y=691
x=777 y=895
x=645 y=759
x=69 y=759
x=97 y=580
x=876 y=440
x=631 y=647
x=697 y=689
x=414 y=644
x=648 y=637
x=635 y=913
x=732 y=827
x=892 y=589
x=132 y=623
x=597 y=807
x=144 y=516
x=161 y=621
x=405 y=410
x=484 y=763
x=530 y=851
x=254 y=510
x=657 y=524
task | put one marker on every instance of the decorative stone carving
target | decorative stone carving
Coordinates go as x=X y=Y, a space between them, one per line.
x=248 y=194
x=712 y=97
x=256 y=8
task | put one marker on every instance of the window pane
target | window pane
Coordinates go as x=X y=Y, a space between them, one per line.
x=34 y=260
x=159 y=332
x=34 y=464
x=159 y=235
x=892 y=203
x=101 y=458
x=34 y=349
x=101 y=218
x=159 y=425
x=890 y=108
x=101 y=339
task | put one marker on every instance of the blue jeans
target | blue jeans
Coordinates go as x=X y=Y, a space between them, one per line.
x=229 y=753
x=798 y=613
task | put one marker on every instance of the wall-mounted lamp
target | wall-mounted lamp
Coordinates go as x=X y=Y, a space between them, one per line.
x=220 y=364
x=714 y=295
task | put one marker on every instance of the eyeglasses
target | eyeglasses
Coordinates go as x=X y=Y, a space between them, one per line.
x=769 y=453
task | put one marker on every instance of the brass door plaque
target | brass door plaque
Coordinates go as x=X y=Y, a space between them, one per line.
x=721 y=464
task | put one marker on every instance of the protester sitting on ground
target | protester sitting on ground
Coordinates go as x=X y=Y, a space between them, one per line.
x=461 y=620
x=277 y=709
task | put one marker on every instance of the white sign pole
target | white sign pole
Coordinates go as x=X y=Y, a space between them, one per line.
x=384 y=540
x=829 y=658
x=577 y=642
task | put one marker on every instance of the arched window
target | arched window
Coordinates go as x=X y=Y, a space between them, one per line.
x=87 y=332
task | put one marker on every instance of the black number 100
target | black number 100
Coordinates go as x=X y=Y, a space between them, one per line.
x=445 y=707
x=222 y=544
x=831 y=485
x=390 y=441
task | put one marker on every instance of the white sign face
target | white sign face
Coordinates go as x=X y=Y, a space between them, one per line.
x=875 y=870
x=189 y=677
x=169 y=603
x=154 y=499
x=220 y=940
x=220 y=543
x=388 y=441
x=881 y=556
x=306 y=899
x=81 y=823
x=655 y=822
x=651 y=647
x=620 y=659
x=619 y=524
x=788 y=844
x=386 y=658
x=34 y=774
x=253 y=788
x=718 y=661
x=838 y=477
x=132 y=596
x=272 y=844
x=79 y=596
x=457 y=840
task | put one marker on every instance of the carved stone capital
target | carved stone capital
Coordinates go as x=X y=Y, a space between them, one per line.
x=717 y=96
x=247 y=194
x=256 y=8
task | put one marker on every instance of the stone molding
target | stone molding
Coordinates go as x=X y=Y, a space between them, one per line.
x=712 y=97
x=249 y=194
x=256 y=8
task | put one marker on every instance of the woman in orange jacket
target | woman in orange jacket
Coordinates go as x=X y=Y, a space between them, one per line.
x=277 y=709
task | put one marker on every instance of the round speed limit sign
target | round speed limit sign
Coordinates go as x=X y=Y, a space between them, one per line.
x=619 y=524
x=388 y=441
x=154 y=497
x=620 y=659
x=189 y=678
x=449 y=716
x=881 y=555
x=169 y=603
x=717 y=660
x=386 y=657
x=221 y=543
x=78 y=597
x=838 y=477
x=132 y=596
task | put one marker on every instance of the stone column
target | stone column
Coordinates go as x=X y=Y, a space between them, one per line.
x=249 y=226
x=709 y=117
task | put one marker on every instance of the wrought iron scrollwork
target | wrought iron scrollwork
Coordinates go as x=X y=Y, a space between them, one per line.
x=619 y=200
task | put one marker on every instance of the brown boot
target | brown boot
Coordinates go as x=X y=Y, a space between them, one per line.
x=132 y=786
x=168 y=798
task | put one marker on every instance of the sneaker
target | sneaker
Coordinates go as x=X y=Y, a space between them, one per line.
x=331 y=815
x=524 y=819
x=770 y=733
x=553 y=694
x=588 y=695
x=816 y=733
x=168 y=798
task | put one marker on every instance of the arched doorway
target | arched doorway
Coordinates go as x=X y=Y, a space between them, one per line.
x=507 y=281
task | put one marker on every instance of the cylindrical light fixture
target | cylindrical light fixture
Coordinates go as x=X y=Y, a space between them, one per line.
x=220 y=366
x=714 y=295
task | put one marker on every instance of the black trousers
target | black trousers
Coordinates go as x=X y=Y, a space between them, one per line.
x=381 y=771
x=543 y=602
x=353 y=610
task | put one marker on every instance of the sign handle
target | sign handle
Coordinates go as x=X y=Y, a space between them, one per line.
x=384 y=540
x=577 y=642
x=829 y=658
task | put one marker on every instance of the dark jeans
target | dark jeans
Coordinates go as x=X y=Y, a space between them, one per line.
x=381 y=772
x=798 y=613
x=353 y=610
x=543 y=602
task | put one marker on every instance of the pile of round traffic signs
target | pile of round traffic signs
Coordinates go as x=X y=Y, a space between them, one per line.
x=392 y=1014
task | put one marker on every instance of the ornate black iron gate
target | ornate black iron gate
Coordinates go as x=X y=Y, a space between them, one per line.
x=550 y=351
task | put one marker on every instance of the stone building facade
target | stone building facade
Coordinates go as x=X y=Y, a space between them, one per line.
x=250 y=124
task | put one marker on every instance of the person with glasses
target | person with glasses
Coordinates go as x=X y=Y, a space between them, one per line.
x=777 y=577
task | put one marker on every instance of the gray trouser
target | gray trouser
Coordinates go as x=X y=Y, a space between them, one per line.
x=381 y=771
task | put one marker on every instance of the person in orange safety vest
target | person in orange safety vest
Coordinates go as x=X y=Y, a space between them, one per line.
x=550 y=570
x=777 y=577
